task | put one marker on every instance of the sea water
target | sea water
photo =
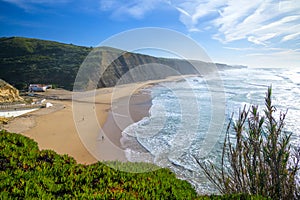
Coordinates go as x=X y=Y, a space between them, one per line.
x=182 y=113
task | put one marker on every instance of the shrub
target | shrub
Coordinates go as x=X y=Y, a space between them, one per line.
x=258 y=159
x=26 y=173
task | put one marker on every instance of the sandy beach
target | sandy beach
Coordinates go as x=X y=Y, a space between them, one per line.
x=64 y=129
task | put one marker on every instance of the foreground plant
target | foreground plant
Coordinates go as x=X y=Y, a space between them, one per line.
x=257 y=158
x=29 y=173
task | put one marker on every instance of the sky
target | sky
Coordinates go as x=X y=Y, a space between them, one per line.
x=256 y=33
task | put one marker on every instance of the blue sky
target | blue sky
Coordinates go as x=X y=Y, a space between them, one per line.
x=256 y=33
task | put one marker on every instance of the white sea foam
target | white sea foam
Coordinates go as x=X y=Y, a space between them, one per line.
x=181 y=114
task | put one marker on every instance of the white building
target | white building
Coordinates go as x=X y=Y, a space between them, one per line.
x=38 y=87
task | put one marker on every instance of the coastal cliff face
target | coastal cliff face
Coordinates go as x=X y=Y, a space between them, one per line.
x=138 y=67
x=119 y=67
x=8 y=94
x=25 y=60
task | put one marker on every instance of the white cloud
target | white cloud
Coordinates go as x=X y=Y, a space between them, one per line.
x=284 y=58
x=260 y=22
x=192 y=11
x=255 y=49
x=267 y=26
x=29 y=5
x=21 y=3
x=256 y=21
x=291 y=36
x=262 y=40
x=134 y=8
x=107 y=4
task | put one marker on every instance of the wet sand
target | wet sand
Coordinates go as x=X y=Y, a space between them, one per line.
x=63 y=130
x=55 y=127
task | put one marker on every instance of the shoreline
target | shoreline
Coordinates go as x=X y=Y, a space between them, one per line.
x=139 y=106
x=56 y=128
x=136 y=103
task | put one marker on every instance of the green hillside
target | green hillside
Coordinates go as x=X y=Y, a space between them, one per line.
x=24 y=61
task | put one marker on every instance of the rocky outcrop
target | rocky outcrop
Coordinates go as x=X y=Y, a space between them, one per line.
x=8 y=94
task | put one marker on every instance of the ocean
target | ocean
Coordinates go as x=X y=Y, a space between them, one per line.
x=186 y=122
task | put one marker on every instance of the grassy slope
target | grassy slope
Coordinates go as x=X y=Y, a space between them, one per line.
x=25 y=60
x=27 y=172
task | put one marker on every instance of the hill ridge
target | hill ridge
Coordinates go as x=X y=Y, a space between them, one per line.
x=28 y=60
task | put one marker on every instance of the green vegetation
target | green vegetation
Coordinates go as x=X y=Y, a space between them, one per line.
x=26 y=172
x=257 y=160
x=24 y=61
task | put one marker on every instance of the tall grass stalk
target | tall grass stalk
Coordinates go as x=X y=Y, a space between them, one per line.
x=257 y=157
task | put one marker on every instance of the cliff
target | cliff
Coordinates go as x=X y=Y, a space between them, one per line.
x=24 y=61
x=8 y=94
